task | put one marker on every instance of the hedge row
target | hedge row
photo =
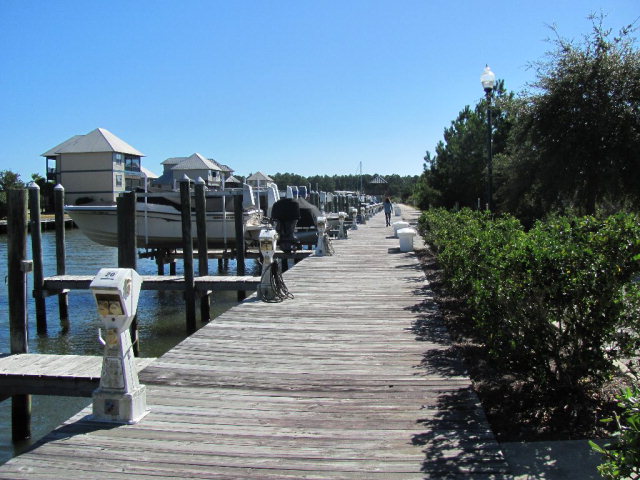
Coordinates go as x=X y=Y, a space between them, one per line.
x=556 y=305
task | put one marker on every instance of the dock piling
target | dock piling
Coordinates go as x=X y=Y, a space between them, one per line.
x=239 y=224
x=36 y=252
x=61 y=269
x=203 y=256
x=127 y=248
x=187 y=246
x=17 y=289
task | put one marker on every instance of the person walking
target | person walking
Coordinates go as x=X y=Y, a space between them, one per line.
x=388 y=207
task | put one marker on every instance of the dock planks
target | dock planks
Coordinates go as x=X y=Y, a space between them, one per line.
x=352 y=379
x=42 y=374
x=58 y=283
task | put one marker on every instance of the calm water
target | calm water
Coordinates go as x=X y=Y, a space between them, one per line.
x=161 y=324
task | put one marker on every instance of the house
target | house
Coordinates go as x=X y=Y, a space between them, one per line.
x=197 y=166
x=259 y=179
x=94 y=168
x=193 y=167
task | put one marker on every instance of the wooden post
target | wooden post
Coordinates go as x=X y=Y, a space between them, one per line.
x=203 y=258
x=239 y=224
x=127 y=245
x=127 y=248
x=160 y=261
x=17 y=290
x=187 y=249
x=36 y=252
x=61 y=269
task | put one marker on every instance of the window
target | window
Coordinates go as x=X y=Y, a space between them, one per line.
x=132 y=183
x=118 y=180
x=117 y=157
x=131 y=163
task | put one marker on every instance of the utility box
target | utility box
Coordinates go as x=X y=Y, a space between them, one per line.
x=406 y=239
x=398 y=210
x=120 y=397
x=116 y=291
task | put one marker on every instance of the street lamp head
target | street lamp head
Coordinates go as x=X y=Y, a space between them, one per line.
x=488 y=79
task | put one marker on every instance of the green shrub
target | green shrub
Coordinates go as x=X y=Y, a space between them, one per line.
x=622 y=457
x=556 y=306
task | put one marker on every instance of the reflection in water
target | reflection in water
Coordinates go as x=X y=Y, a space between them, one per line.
x=161 y=324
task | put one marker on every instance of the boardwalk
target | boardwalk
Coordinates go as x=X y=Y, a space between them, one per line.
x=352 y=379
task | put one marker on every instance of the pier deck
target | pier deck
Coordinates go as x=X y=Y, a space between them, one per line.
x=40 y=374
x=351 y=379
x=58 y=283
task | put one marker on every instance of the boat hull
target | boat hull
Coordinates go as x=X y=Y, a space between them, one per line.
x=160 y=227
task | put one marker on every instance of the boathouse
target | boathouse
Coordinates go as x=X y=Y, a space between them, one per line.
x=377 y=186
x=94 y=168
x=258 y=179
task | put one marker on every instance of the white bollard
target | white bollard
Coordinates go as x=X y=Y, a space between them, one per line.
x=406 y=239
x=398 y=225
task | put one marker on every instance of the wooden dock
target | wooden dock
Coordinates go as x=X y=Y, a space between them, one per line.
x=352 y=379
x=58 y=283
x=40 y=374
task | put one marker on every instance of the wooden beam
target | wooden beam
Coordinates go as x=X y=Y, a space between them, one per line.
x=57 y=283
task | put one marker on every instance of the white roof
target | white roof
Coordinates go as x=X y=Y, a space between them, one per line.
x=54 y=150
x=223 y=168
x=174 y=160
x=98 y=140
x=195 y=162
x=260 y=176
x=148 y=173
x=378 y=179
x=232 y=179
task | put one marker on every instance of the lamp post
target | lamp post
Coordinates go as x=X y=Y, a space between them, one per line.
x=488 y=80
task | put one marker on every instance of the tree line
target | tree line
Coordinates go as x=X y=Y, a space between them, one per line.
x=570 y=143
x=10 y=180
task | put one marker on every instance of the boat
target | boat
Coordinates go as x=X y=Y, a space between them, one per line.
x=159 y=220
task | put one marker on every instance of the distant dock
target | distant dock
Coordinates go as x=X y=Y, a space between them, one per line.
x=46 y=224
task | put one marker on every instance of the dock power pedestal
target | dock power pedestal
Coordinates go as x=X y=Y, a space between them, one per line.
x=120 y=397
x=268 y=239
x=324 y=245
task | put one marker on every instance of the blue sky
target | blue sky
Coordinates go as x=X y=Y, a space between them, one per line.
x=277 y=86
